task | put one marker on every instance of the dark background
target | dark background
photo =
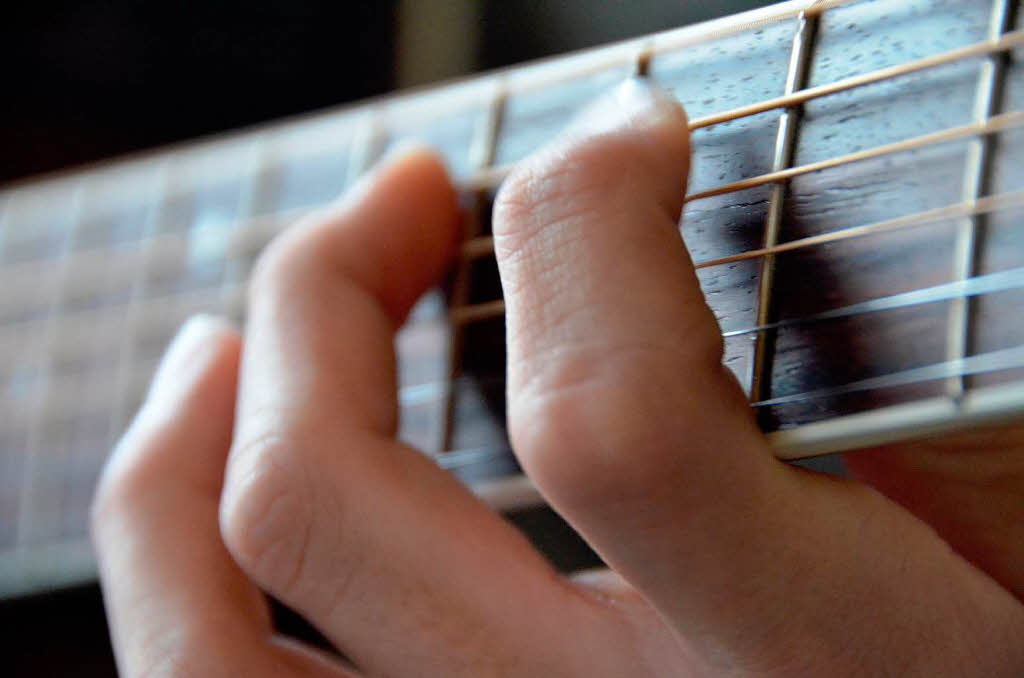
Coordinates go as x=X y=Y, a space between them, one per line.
x=87 y=80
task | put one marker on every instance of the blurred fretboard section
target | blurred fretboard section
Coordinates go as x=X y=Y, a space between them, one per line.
x=854 y=211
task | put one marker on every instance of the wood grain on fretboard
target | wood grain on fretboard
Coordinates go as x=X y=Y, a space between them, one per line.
x=98 y=268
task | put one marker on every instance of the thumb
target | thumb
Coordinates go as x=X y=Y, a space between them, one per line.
x=619 y=406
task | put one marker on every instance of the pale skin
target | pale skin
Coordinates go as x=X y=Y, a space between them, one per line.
x=267 y=461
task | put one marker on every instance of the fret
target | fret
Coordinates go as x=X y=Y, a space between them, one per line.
x=125 y=401
x=785 y=142
x=13 y=436
x=367 y=145
x=312 y=163
x=450 y=135
x=877 y=189
x=420 y=345
x=35 y=520
x=975 y=181
x=994 y=319
x=252 y=202
x=716 y=75
x=482 y=153
x=194 y=239
x=33 y=230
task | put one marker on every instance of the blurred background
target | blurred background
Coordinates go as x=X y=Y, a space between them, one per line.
x=87 y=80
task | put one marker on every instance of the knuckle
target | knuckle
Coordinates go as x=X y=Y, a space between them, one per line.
x=266 y=513
x=274 y=264
x=126 y=479
x=594 y=430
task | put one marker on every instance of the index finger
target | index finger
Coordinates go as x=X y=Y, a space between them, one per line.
x=368 y=539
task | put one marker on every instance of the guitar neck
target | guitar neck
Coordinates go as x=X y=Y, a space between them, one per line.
x=852 y=211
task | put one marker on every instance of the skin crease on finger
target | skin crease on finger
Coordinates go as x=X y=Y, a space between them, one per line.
x=729 y=562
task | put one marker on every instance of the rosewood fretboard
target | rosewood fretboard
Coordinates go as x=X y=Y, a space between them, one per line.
x=854 y=209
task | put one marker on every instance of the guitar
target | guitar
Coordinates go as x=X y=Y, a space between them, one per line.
x=853 y=212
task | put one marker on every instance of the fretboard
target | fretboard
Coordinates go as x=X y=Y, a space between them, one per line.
x=853 y=211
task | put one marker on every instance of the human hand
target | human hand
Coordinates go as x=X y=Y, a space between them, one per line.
x=725 y=561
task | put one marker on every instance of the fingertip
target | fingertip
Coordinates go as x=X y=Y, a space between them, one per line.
x=202 y=343
x=650 y=116
x=393 y=234
x=179 y=437
x=635 y=103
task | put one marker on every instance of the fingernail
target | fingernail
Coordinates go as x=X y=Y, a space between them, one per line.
x=186 y=356
x=635 y=102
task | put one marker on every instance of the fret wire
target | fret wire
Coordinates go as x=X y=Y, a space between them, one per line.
x=785 y=142
x=475 y=248
x=483 y=151
x=642 y=60
x=249 y=206
x=130 y=330
x=976 y=170
x=997 y=123
x=27 y=518
x=981 y=363
x=366 y=145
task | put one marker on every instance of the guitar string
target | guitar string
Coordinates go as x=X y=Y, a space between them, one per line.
x=488 y=179
x=480 y=247
x=990 y=204
x=491 y=178
x=424 y=393
x=982 y=363
x=997 y=123
x=979 y=363
x=986 y=205
x=990 y=283
x=965 y=288
x=159 y=309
